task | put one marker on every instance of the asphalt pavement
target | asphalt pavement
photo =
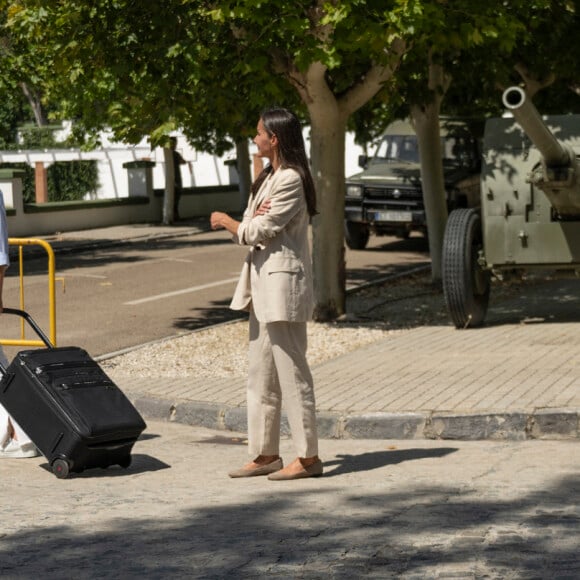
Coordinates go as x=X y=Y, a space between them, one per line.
x=410 y=510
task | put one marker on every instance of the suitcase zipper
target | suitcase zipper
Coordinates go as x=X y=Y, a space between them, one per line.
x=80 y=379
x=47 y=367
x=84 y=384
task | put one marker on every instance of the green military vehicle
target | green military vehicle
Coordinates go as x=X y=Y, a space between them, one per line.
x=530 y=209
x=387 y=198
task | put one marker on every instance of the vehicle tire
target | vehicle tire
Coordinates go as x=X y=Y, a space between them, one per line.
x=356 y=235
x=60 y=468
x=466 y=285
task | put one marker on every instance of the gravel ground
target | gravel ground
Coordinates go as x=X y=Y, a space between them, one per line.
x=372 y=313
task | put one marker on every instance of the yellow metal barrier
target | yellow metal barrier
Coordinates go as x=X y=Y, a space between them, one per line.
x=21 y=242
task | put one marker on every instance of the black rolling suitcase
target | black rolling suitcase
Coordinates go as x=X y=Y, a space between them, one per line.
x=73 y=412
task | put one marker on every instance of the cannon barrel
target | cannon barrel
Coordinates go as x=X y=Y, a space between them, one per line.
x=524 y=112
x=558 y=174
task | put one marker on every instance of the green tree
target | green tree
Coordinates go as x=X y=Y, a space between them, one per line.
x=337 y=56
x=12 y=114
x=446 y=33
x=147 y=69
x=210 y=66
x=22 y=68
x=144 y=70
x=462 y=54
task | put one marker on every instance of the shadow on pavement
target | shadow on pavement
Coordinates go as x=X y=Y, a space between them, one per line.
x=359 y=276
x=418 y=244
x=218 y=313
x=539 y=302
x=377 y=459
x=418 y=530
x=140 y=464
x=107 y=252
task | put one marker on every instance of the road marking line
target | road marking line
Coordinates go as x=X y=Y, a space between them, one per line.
x=178 y=292
x=75 y=275
x=171 y=260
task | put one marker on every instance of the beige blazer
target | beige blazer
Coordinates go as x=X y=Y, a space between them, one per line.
x=276 y=278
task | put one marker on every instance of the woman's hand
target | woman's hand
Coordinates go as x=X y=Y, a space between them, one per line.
x=264 y=208
x=216 y=220
x=220 y=220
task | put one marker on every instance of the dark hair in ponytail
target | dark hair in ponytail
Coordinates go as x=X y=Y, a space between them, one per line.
x=291 y=152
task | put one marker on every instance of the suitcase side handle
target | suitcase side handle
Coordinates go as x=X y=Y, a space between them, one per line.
x=31 y=322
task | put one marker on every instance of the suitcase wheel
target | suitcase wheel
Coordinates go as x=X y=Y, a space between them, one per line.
x=126 y=462
x=60 y=468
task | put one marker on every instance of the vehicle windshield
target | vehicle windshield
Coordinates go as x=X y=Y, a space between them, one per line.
x=454 y=150
x=398 y=148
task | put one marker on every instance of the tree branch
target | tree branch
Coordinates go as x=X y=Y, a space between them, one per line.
x=373 y=80
x=532 y=84
x=35 y=105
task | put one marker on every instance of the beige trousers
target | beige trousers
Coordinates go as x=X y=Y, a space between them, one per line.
x=278 y=369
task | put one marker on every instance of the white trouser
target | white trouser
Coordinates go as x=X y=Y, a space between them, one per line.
x=6 y=420
x=278 y=368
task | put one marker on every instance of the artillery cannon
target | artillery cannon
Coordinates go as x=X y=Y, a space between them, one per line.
x=529 y=217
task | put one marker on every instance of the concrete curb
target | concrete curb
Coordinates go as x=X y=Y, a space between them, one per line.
x=509 y=426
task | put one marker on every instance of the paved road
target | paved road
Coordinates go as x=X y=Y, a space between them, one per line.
x=113 y=297
x=384 y=509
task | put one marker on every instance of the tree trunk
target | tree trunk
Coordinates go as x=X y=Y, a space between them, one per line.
x=328 y=118
x=244 y=173
x=35 y=105
x=169 y=194
x=328 y=135
x=426 y=122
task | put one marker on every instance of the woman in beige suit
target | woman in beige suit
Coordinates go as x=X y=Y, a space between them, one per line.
x=276 y=287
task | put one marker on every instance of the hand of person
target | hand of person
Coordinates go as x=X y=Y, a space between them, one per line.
x=264 y=208
x=216 y=220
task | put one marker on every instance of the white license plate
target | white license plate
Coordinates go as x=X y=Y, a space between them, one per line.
x=393 y=216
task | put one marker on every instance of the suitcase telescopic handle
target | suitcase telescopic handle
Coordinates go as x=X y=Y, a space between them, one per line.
x=31 y=322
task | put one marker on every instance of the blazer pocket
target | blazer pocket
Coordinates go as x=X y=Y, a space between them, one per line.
x=284 y=287
x=284 y=265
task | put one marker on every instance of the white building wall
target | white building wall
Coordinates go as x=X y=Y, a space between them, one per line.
x=202 y=169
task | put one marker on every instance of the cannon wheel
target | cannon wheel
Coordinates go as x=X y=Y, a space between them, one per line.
x=466 y=284
x=356 y=235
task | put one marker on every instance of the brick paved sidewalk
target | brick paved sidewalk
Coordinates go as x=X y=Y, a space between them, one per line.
x=499 y=382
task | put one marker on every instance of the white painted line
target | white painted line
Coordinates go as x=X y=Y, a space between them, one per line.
x=75 y=275
x=184 y=291
x=171 y=260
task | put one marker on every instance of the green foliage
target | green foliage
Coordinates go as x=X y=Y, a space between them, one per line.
x=72 y=180
x=149 y=68
x=66 y=180
x=12 y=113
x=209 y=68
x=28 y=193
x=479 y=46
x=37 y=138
